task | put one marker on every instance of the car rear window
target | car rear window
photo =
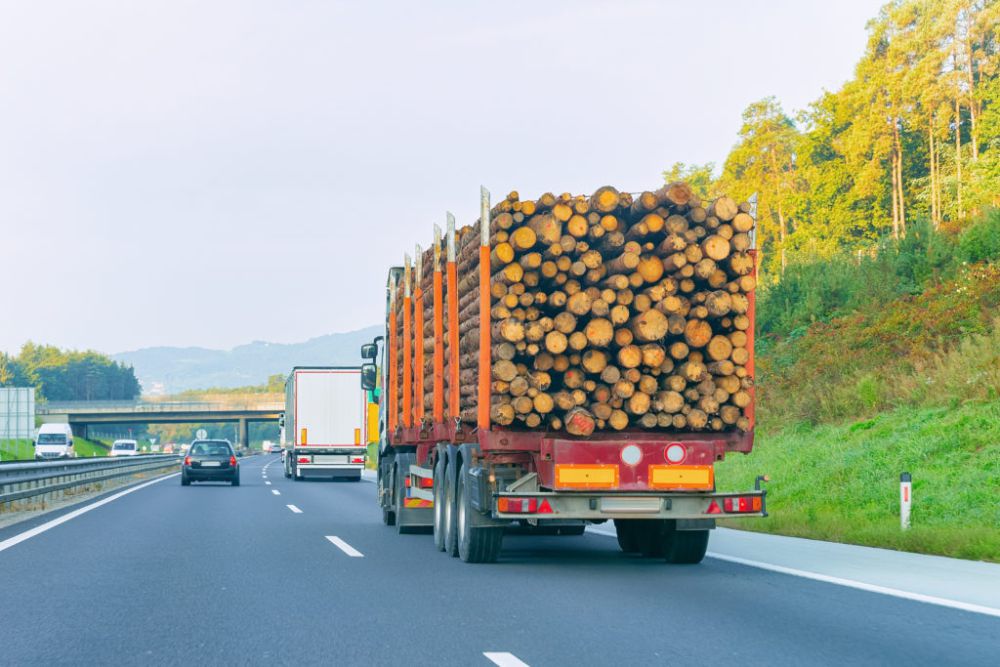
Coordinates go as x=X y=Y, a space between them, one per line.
x=210 y=449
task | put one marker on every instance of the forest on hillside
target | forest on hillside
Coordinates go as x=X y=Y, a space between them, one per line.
x=68 y=375
x=912 y=139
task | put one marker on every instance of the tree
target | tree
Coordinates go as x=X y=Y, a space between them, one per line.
x=764 y=161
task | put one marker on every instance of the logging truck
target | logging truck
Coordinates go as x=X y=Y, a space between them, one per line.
x=569 y=361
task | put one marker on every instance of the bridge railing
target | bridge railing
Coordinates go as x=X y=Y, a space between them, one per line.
x=70 y=407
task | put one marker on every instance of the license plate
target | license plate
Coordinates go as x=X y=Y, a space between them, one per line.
x=210 y=464
x=637 y=505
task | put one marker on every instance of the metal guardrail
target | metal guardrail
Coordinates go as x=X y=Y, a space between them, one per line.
x=19 y=481
x=62 y=407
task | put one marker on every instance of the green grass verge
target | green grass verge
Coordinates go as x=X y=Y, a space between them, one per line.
x=13 y=450
x=88 y=448
x=841 y=482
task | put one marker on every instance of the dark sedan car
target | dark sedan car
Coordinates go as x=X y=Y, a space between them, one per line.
x=210 y=460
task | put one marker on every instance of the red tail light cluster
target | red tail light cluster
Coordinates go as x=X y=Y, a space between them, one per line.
x=524 y=506
x=742 y=505
x=187 y=460
x=232 y=461
x=358 y=459
x=304 y=459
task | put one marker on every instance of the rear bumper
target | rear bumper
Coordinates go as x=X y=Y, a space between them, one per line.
x=602 y=506
x=329 y=469
x=202 y=474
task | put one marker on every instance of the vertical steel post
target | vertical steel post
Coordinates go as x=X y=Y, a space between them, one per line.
x=483 y=413
x=418 y=340
x=393 y=402
x=407 y=344
x=454 y=396
x=438 y=330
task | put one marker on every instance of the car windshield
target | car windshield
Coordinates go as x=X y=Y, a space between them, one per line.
x=210 y=449
x=51 y=439
x=125 y=445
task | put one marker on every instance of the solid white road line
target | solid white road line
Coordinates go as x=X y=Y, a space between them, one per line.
x=840 y=581
x=276 y=492
x=48 y=525
x=860 y=585
x=504 y=659
x=294 y=509
x=344 y=546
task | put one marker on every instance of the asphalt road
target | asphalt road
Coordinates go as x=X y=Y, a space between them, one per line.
x=211 y=574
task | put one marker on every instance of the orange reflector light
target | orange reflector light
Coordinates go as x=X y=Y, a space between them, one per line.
x=572 y=476
x=681 y=477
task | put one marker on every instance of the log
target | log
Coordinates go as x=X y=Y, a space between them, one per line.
x=649 y=326
x=697 y=333
x=579 y=422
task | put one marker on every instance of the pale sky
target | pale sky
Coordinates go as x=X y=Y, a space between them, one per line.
x=211 y=172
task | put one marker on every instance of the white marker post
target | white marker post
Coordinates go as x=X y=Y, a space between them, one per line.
x=905 y=500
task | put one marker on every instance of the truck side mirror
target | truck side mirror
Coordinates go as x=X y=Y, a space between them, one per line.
x=369 y=375
x=369 y=351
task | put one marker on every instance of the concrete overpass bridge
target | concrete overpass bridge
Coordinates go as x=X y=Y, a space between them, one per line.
x=83 y=414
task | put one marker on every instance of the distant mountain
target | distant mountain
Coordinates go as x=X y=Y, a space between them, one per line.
x=173 y=369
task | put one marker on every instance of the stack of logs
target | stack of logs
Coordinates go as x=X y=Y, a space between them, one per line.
x=607 y=312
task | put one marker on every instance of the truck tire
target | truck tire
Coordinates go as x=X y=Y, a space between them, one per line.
x=450 y=508
x=476 y=544
x=388 y=516
x=685 y=547
x=628 y=535
x=439 y=502
x=288 y=472
x=654 y=536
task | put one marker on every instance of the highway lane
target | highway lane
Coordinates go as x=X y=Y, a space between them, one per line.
x=213 y=574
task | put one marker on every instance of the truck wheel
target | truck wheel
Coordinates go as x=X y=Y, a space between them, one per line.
x=439 y=502
x=450 y=509
x=653 y=538
x=476 y=544
x=288 y=472
x=388 y=516
x=628 y=535
x=686 y=547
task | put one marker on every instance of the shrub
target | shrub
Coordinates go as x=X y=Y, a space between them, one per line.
x=981 y=241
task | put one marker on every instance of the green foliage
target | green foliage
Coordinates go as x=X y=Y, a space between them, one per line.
x=981 y=241
x=841 y=482
x=701 y=177
x=60 y=375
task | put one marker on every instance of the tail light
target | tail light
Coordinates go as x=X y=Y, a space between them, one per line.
x=304 y=459
x=187 y=460
x=358 y=459
x=523 y=506
x=742 y=505
x=232 y=461
x=426 y=483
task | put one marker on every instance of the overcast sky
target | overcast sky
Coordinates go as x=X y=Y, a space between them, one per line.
x=213 y=172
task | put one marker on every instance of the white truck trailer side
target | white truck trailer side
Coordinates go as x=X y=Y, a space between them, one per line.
x=324 y=423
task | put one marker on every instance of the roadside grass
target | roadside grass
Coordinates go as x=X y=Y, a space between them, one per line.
x=14 y=450
x=840 y=482
x=88 y=448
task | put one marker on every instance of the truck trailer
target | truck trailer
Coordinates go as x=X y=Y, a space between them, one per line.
x=323 y=421
x=451 y=458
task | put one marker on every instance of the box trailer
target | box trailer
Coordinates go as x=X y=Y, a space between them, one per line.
x=323 y=423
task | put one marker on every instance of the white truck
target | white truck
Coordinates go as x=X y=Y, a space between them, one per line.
x=323 y=424
x=55 y=441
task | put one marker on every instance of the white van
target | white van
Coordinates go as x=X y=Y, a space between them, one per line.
x=124 y=448
x=54 y=441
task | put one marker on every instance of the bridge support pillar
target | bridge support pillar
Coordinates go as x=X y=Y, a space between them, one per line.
x=244 y=433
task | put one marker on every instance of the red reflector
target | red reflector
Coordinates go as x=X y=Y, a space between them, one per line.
x=358 y=459
x=303 y=459
x=545 y=508
x=406 y=482
x=713 y=508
